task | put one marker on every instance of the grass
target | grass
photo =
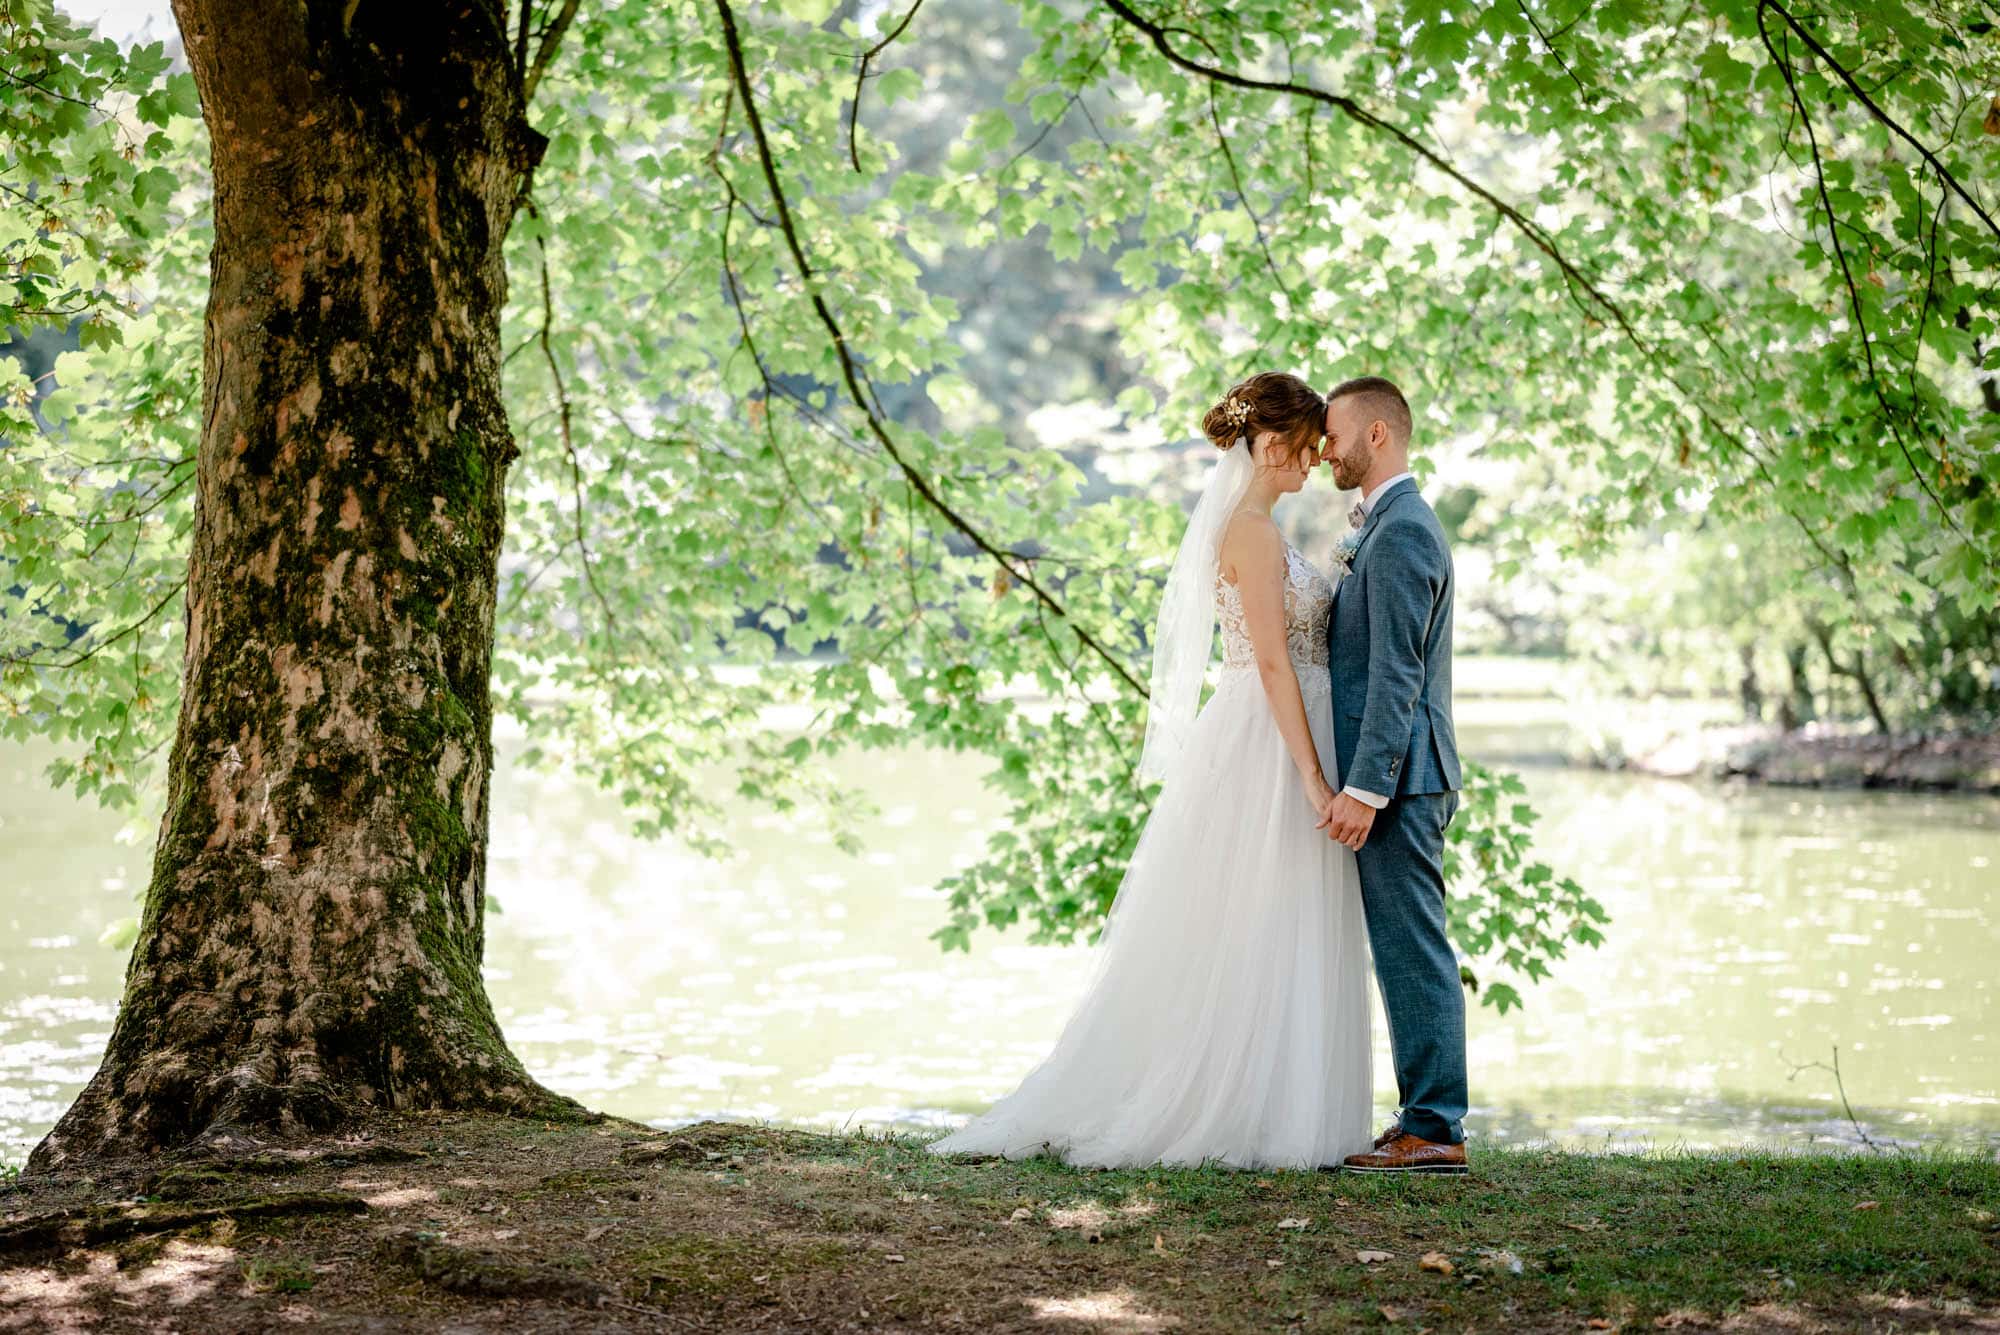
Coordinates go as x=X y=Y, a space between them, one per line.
x=487 y=1224
x=1618 y=1237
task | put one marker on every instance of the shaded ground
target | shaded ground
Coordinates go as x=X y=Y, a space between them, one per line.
x=474 y=1224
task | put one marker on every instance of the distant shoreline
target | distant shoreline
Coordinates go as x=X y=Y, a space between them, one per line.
x=1823 y=756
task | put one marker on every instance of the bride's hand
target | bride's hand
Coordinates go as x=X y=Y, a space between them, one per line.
x=1321 y=795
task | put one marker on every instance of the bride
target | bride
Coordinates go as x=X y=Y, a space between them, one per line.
x=1227 y=1017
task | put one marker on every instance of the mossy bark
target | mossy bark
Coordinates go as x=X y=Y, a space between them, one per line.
x=312 y=933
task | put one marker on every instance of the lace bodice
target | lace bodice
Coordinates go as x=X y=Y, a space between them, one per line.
x=1308 y=606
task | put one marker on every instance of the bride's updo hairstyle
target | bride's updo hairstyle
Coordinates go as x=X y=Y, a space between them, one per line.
x=1269 y=401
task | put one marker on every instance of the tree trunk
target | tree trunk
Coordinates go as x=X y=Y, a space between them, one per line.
x=1797 y=709
x=312 y=933
x=1748 y=689
x=1858 y=674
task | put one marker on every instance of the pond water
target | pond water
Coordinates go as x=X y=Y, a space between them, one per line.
x=1752 y=931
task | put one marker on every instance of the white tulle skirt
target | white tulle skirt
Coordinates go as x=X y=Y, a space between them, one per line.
x=1228 y=1017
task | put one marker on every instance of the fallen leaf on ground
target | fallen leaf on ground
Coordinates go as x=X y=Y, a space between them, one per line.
x=1265 y=1182
x=1588 y=1226
x=1978 y=1216
x=1390 y=1314
x=895 y=1257
x=1023 y=1213
x=1160 y=1245
x=592 y=1236
x=1868 y=1205
x=1599 y=1323
x=505 y=1233
x=1500 y=1259
x=1371 y=1257
x=1273 y=1264
x=1295 y=1224
x=1435 y=1261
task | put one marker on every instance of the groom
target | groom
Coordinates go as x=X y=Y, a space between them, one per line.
x=1391 y=654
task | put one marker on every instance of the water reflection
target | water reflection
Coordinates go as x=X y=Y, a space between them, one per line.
x=1753 y=930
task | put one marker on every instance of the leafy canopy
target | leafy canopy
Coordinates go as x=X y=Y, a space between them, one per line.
x=1720 y=257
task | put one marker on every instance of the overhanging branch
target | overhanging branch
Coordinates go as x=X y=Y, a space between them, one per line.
x=1895 y=127
x=852 y=375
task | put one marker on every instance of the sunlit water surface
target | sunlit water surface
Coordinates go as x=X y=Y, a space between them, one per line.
x=1751 y=931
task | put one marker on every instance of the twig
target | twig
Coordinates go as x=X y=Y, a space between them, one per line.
x=1838 y=1085
x=861 y=78
x=1075 y=96
x=1118 y=748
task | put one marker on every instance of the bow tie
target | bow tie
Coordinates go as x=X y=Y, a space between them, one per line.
x=1357 y=516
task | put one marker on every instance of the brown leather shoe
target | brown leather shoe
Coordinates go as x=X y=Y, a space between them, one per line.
x=1395 y=1129
x=1410 y=1154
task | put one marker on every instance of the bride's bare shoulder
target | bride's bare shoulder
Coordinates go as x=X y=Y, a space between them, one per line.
x=1251 y=544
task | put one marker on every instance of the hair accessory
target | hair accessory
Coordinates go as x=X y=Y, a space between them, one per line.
x=1236 y=410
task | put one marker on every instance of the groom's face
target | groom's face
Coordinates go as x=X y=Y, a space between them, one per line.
x=1347 y=449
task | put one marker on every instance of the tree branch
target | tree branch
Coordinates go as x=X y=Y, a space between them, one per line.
x=1889 y=415
x=546 y=51
x=104 y=644
x=1574 y=277
x=1354 y=111
x=568 y=440
x=1944 y=174
x=1528 y=14
x=851 y=372
x=1236 y=178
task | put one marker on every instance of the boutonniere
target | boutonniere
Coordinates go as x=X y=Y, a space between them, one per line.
x=1344 y=550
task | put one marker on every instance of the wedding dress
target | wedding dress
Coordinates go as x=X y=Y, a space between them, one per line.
x=1227 y=1018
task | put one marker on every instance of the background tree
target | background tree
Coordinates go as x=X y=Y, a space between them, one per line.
x=313 y=927
x=765 y=415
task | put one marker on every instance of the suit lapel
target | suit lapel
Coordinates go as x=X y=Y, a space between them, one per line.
x=1368 y=527
x=1375 y=513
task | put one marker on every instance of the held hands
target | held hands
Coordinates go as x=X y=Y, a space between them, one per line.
x=1347 y=820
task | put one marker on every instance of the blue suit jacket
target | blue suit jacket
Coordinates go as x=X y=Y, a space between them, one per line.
x=1390 y=639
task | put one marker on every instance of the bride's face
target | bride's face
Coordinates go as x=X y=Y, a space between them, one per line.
x=1287 y=468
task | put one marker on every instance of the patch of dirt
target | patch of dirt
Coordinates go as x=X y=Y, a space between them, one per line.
x=474 y=1224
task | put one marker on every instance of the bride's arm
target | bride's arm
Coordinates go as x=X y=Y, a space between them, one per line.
x=1252 y=557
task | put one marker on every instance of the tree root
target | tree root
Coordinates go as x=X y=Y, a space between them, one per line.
x=482 y=1274
x=90 y=1226
x=229 y=1119
x=206 y=1173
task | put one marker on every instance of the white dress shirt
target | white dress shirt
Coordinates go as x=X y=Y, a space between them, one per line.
x=1368 y=499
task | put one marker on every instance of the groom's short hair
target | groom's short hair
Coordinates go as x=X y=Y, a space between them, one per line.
x=1380 y=399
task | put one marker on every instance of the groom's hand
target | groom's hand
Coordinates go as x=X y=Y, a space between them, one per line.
x=1348 y=821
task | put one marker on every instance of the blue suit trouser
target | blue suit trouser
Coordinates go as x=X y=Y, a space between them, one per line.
x=1402 y=895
